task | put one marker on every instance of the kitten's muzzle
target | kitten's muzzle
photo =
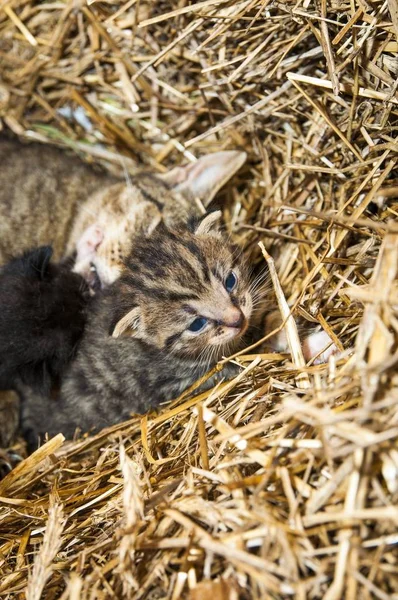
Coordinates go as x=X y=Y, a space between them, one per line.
x=236 y=320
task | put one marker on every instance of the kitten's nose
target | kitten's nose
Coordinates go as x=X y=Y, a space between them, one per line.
x=234 y=318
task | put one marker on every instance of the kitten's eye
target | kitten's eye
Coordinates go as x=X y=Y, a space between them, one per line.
x=231 y=281
x=198 y=324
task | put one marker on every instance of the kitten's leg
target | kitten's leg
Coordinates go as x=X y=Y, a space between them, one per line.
x=88 y=243
x=41 y=414
x=278 y=342
x=6 y=463
x=317 y=344
x=9 y=417
x=86 y=249
x=8 y=460
x=9 y=421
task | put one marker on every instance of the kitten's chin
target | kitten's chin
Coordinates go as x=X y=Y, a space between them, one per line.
x=86 y=270
x=230 y=347
x=229 y=335
x=215 y=352
x=96 y=275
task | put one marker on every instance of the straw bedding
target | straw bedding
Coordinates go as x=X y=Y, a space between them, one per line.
x=282 y=483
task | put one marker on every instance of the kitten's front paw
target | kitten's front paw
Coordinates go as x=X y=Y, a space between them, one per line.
x=278 y=341
x=320 y=347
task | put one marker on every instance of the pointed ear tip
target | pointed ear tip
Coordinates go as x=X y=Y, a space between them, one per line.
x=208 y=221
x=242 y=158
x=233 y=159
x=125 y=322
x=116 y=332
x=239 y=155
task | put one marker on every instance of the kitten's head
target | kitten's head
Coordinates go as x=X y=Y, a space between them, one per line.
x=101 y=250
x=184 y=292
x=137 y=207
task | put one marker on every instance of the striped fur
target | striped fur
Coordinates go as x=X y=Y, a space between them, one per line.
x=169 y=279
x=138 y=230
x=50 y=197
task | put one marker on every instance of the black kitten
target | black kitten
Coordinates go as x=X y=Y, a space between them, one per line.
x=42 y=318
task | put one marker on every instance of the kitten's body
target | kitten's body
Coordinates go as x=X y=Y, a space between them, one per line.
x=42 y=190
x=139 y=348
x=109 y=381
x=42 y=318
x=48 y=197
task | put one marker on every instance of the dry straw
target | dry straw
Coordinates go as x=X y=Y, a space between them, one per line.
x=265 y=487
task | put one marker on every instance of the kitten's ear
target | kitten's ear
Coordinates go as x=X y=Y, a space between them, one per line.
x=208 y=223
x=128 y=324
x=203 y=178
x=36 y=262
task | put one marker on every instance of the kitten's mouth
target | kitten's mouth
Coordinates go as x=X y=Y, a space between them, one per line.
x=93 y=279
x=239 y=327
x=230 y=334
x=237 y=332
x=243 y=328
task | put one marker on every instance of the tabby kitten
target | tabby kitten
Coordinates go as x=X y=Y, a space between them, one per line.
x=48 y=197
x=182 y=301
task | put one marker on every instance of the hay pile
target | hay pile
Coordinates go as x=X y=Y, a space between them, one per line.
x=284 y=482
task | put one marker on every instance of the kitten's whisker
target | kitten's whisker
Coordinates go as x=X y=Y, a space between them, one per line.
x=260 y=285
x=260 y=291
x=260 y=295
x=265 y=276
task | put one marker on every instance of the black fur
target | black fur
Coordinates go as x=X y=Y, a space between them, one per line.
x=42 y=318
